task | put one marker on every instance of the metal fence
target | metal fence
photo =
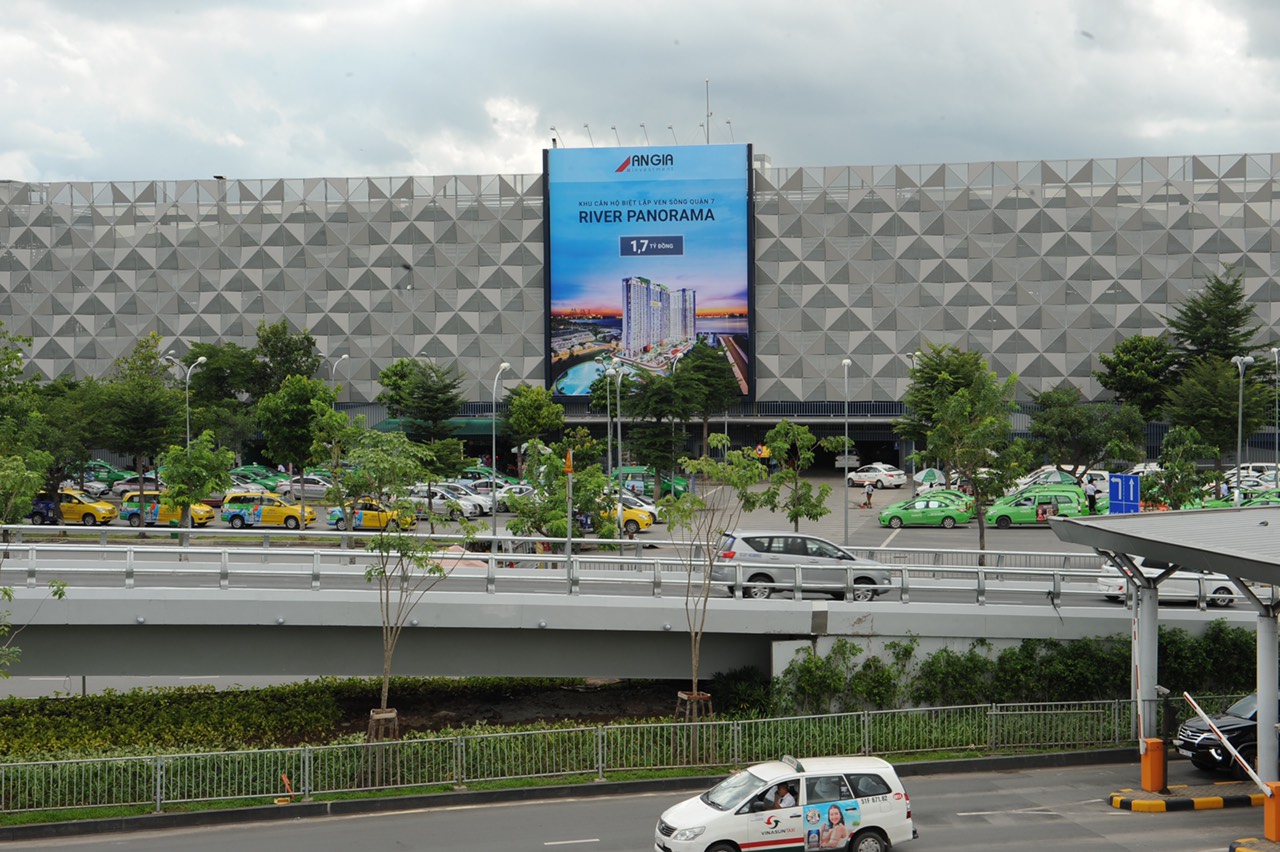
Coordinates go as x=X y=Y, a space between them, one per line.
x=588 y=752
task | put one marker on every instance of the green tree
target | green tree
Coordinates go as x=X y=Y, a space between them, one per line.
x=62 y=425
x=20 y=481
x=971 y=435
x=938 y=372
x=1078 y=435
x=1139 y=371
x=1208 y=399
x=281 y=353
x=222 y=391
x=423 y=395
x=192 y=473
x=697 y=521
x=1179 y=480
x=546 y=513
x=712 y=385
x=1215 y=322
x=334 y=439
x=791 y=446
x=663 y=405
x=142 y=413
x=403 y=566
x=531 y=413
x=287 y=418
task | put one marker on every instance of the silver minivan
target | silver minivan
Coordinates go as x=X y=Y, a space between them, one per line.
x=762 y=562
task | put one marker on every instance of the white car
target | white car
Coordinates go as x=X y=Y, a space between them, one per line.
x=434 y=500
x=641 y=503
x=461 y=490
x=130 y=483
x=852 y=803
x=1183 y=585
x=502 y=499
x=880 y=475
x=308 y=487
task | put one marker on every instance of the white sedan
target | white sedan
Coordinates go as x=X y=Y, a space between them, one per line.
x=1183 y=586
x=880 y=475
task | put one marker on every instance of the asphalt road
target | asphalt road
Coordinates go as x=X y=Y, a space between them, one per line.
x=1047 y=809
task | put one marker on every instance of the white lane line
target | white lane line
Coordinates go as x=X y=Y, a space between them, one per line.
x=893 y=534
x=571 y=842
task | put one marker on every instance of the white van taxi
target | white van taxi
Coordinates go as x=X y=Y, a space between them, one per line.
x=849 y=803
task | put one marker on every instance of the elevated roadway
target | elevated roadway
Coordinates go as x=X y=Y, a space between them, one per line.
x=236 y=608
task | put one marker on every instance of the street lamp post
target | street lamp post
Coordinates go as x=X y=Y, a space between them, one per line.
x=618 y=387
x=186 y=386
x=846 y=363
x=1275 y=434
x=493 y=448
x=609 y=373
x=1241 y=362
x=332 y=364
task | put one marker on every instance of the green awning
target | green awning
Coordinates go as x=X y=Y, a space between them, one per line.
x=463 y=427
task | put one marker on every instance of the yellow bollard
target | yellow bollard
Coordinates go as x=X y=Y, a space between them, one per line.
x=1153 y=780
x=1271 y=813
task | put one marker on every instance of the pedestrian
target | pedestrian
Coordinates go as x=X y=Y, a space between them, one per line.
x=1091 y=495
x=870 y=491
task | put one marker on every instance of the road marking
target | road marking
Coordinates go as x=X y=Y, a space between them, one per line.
x=571 y=842
x=1038 y=810
x=885 y=543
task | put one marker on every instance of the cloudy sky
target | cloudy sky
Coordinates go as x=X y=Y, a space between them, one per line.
x=137 y=89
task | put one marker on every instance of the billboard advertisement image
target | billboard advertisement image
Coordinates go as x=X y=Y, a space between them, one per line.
x=648 y=252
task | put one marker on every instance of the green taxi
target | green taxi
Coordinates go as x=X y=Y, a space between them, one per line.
x=1036 y=508
x=926 y=511
x=259 y=474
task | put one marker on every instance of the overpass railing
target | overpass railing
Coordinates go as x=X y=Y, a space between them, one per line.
x=297 y=560
x=566 y=753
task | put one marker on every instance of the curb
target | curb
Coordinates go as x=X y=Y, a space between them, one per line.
x=1251 y=844
x=348 y=807
x=1190 y=803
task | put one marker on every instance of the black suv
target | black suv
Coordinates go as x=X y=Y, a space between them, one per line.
x=1239 y=724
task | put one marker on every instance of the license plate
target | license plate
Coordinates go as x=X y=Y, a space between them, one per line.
x=1186 y=752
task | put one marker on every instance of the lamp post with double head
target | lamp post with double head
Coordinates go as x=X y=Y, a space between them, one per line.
x=846 y=363
x=1241 y=362
x=493 y=448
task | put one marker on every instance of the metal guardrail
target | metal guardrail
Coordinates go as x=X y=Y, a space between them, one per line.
x=588 y=752
x=296 y=560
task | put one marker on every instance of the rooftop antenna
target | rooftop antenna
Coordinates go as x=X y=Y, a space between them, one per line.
x=646 y=133
x=707 y=126
x=589 y=139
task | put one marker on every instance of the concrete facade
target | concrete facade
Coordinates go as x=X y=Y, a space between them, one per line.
x=1038 y=265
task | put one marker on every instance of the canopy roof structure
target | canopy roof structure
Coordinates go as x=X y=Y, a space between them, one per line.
x=1242 y=543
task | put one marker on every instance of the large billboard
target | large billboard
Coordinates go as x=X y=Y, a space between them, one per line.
x=648 y=251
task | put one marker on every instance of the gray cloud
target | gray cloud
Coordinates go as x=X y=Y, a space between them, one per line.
x=272 y=88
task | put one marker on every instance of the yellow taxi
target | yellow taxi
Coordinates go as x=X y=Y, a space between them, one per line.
x=77 y=508
x=156 y=512
x=250 y=509
x=633 y=520
x=369 y=514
